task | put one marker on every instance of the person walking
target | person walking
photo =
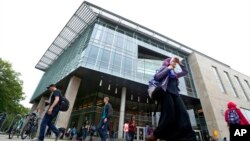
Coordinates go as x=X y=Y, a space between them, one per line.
x=51 y=113
x=233 y=115
x=105 y=118
x=174 y=123
x=125 y=130
x=132 y=128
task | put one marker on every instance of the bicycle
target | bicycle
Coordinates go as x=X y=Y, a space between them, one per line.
x=16 y=126
x=30 y=128
x=3 y=117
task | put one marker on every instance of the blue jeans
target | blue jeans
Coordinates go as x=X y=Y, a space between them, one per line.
x=102 y=129
x=47 y=119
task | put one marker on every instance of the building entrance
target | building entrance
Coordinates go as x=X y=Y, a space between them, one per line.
x=140 y=133
x=198 y=135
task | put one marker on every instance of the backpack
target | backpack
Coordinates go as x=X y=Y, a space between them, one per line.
x=155 y=92
x=110 y=110
x=64 y=104
x=233 y=117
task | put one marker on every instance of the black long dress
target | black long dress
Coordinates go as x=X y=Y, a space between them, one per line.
x=174 y=123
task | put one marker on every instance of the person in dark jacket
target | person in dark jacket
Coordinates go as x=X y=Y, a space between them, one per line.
x=105 y=118
x=174 y=123
x=51 y=113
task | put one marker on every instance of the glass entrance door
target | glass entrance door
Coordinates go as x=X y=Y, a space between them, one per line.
x=140 y=133
x=198 y=135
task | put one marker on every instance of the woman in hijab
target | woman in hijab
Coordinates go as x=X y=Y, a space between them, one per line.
x=174 y=123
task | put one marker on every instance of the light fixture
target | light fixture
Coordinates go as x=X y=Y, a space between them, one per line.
x=100 y=84
x=109 y=87
x=131 y=97
x=115 y=90
x=147 y=100
x=138 y=99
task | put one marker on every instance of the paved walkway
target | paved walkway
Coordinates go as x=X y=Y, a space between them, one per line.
x=5 y=137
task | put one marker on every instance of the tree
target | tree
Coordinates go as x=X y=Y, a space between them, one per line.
x=11 y=91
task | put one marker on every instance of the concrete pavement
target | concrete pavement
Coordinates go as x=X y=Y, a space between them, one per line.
x=5 y=137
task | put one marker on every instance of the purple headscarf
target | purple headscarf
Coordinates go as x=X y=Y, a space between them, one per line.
x=166 y=62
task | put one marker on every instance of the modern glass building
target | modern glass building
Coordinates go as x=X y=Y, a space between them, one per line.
x=99 y=53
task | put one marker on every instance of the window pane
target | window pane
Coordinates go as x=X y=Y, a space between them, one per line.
x=127 y=66
x=116 y=62
x=104 y=62
x=118 y=43
x=92 y=54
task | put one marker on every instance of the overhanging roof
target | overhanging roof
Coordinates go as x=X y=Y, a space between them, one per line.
x=75 y=26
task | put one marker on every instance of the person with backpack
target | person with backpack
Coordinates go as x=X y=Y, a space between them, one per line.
x=54 y=107
x=174 y=123
x=233 y=115
x=103 y=125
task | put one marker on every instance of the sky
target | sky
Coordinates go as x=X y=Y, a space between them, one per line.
x=217 y=28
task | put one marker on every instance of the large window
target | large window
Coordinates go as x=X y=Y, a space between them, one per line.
x=243 y=90
x=127 y=66
x=118 y=43
x=246 y=112
x=104 y=61
x=218 y=79
x=92 y=54
x=118 y=51
x=116 y=62
x=231 y=84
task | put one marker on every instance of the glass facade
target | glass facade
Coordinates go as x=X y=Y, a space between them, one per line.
x=67 y=62
x=123 y=53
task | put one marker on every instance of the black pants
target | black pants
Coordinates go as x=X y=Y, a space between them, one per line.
x=174 y=123
x=131 y=135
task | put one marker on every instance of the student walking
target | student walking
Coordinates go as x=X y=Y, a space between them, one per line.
x=233 y=115
x=51 y=113
x=174 y=123
x=103 y=125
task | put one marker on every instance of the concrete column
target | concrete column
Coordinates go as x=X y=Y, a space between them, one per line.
x=71 y=92
x=40 y=111
x=122 y=112
x=41 y=106
x=34 y=107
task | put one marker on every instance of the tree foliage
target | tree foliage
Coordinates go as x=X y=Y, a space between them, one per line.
x=11 y=91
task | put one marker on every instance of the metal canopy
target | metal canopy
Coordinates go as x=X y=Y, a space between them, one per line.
x=83 y=17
